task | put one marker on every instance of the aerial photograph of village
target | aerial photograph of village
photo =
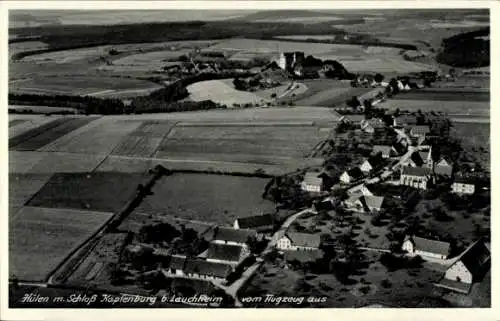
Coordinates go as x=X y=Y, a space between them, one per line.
x=236 y=158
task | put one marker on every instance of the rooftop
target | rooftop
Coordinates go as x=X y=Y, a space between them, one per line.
x=233 y=235
x=304 y=239
x=431 y=246
x=224 y=252
x=415 y=171
x=256 y=221
x=372 y=201
x=220 y=270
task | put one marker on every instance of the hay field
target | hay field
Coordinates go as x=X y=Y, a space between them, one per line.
x=22 y=187
x=220 y=92
x=210 y=198
x=271 y=46
x=18 y=47
x=252 y=144
x=39 y=238
x=107 y=192
x=453 y=108
x=79 y=85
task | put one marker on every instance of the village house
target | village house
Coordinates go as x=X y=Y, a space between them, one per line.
x=469 y=268
x=312 y=182
x=385 y=151
x=417 y=177
x=426 y=157
x=176 y=265
x=419 y=131
x=443 y=167
x=405 y=120
x=260 y=223
x=372 y=163
x=230 y=236
x=298 y=241
x=426 y=248
x=371 y=125
x=360 y=190
x=201 y=269
x=351 y=175
x=228 y=254
x=364 y=203
x=463 y=185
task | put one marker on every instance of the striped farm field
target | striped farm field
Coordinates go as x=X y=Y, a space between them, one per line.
x=144 y=140
x=25 y=123
x=39 y=238
x=41 y=136
x=140 y=146
x=99 y=139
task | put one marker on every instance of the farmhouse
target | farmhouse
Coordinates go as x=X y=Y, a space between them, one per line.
x=443 y=167
x=176 y=265
x=385 y=151
x=371 y=125
x=312 y=182
x=417 y=177
x=228 y=254
x=463 y=185
x=469 y=268
x=419 y=131
x=364 y=203
x=351 y=175
x=372 y=163
x=230 y=236
x=298 y=242
x=201 y=269
x=260 y=223
x=360 y=189
x=405 y=120
x=424 y=247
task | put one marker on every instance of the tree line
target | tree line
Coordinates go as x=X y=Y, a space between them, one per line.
x=467 y=50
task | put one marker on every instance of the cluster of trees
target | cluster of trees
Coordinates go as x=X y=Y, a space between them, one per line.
x=285 y=190
x=466 y=50
x=184 y=241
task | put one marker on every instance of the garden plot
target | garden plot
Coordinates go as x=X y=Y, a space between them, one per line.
x=40 y=238
x=22 y=187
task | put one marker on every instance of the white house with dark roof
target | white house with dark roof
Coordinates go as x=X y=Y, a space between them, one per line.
x=468 y=268
x=351 y=175
x=372 y=163
x=417 y=177
x=426 y=248
x=463 y=185
x=298 y=241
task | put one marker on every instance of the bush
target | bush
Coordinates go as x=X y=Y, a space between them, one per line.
x=386 y=284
